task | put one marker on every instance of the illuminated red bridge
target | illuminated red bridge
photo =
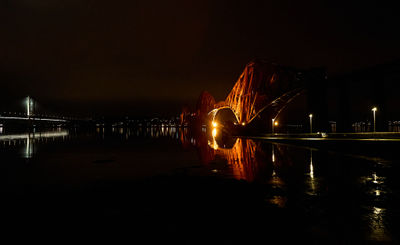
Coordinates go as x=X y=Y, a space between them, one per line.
x=262 y=91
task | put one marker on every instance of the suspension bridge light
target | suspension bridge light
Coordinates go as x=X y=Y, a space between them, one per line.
x=28 y=106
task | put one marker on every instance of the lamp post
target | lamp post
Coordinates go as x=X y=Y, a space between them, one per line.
x=273 y=122
x=310 y=116
x=373 y=113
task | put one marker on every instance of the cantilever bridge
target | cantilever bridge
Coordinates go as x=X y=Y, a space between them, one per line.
x=262 y=91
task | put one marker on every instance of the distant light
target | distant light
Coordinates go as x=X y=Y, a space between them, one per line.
x=311 y=115
x=214 y=124
x=374 y=109
x=276 y=123
x=243 y=124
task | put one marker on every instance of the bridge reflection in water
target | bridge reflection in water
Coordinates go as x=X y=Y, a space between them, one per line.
x=291 y=173
x=241 y=158
x=26 y=142
x=330 y=191
x=251 y=160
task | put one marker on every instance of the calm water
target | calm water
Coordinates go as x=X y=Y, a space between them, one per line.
x=194 y=181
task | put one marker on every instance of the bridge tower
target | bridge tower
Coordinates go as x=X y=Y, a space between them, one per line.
x=29 y=106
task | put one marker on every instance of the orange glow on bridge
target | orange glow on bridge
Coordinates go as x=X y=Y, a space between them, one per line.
x=261 y=84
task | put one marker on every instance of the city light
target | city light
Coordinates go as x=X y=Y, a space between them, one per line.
x=310 y=116
x=276 y=123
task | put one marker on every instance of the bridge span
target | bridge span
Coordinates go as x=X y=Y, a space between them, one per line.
x=30 y=115
x=260 y=94
x=32 y=119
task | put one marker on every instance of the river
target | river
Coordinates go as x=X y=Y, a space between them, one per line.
x=173 y=184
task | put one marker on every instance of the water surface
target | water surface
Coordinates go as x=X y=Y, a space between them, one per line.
x=187 y=185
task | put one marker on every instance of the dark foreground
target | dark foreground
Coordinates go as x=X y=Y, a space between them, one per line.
x=175 y=189
x=177 y=209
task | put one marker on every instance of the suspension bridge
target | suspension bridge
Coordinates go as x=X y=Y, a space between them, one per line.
x=30 y=116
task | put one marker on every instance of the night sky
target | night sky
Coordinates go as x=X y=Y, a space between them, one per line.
x=143 y=57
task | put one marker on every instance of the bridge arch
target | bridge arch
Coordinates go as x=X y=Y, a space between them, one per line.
x=223 y=114
x=262 y=91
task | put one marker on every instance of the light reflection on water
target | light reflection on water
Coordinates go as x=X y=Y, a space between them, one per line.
x=304 y=178
x=277 y=166
x=28 y=140
x=312 y=180
x=376 y=191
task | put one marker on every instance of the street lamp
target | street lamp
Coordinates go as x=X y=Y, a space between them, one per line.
x=273 y=122
x=373 y=113
x=310 y=116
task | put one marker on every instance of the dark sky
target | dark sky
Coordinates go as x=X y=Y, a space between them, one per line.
x=119 y=56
